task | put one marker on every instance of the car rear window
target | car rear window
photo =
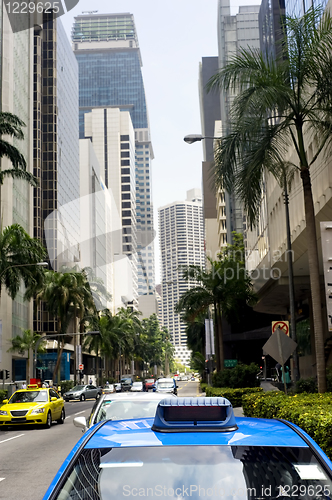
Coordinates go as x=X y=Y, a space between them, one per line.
x=216 y=472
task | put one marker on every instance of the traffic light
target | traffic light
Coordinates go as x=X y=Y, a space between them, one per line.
x=7 y=374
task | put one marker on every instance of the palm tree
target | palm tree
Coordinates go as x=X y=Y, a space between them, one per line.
x=281 y=104
x=25 y=343
x=64 y=298
x=19 y=254
x=224 y=286
x=11 y=125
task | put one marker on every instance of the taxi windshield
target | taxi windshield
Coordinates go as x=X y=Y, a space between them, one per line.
x=29 y=397
x=214 y=472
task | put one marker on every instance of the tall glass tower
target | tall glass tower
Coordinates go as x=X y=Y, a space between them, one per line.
x=109 y=60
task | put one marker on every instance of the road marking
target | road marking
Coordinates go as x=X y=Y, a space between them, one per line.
x=80 y=412
x=14 y=437
x=2 y=478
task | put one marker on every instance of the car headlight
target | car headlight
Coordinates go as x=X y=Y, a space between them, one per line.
x=37 y=410
x=3 y=412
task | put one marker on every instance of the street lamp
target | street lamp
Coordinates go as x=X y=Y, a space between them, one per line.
x=191 y=138
x=42 y=264
x=52 y=335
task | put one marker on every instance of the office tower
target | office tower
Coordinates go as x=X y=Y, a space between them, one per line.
x=181 y=240
x=271 y=16
x=234 y=32
x=211 y=127
x=55 y=161
x=112 y=134
x=109 y=59
x=297 y=8
x=16 y=90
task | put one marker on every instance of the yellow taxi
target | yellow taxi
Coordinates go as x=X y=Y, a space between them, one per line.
x=33 y=405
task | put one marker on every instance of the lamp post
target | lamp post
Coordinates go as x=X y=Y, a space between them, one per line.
x=41 y=339
x=190 y=139
x=42 y=264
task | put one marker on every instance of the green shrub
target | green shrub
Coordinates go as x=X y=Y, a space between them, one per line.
x=311 y=412
x=306 y=385
x=237 y=377
x=233 y=395
x=203 y=386
x=3 y=395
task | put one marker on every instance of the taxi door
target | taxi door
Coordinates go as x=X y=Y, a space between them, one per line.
x=56 y=406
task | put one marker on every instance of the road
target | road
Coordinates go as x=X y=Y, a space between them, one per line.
x=31 y=456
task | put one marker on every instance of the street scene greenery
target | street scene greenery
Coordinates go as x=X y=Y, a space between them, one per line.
x=280 y=104
x=311 y=412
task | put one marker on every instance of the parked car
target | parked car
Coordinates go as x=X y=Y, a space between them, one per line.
x=195 y=447
x=32 y=406
x=82 y=392
x=137 y=387
x=166 y=385
x=122 y=406
x=149 y=383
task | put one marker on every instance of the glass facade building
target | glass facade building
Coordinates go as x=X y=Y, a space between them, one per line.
x=109 y=61
x=296 y=8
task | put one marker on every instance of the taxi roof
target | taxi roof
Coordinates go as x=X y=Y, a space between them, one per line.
x=138 y=432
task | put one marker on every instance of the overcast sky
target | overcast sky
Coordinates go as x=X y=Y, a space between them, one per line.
x=173 y=37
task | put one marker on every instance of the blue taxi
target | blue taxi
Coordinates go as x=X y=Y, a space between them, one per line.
x=194 y=448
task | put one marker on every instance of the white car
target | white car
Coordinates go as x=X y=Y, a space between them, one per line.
x=137 y=387
x=122 y=406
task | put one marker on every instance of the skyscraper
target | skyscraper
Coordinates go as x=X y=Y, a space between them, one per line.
x=109 y=60
x=181 y=237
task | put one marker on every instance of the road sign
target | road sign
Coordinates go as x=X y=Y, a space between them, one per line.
x=81 y=367
x=230 y=363
x=283 y=325
x=280 y=346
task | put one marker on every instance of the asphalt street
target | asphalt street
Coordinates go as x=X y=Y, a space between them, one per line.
x=31 y=456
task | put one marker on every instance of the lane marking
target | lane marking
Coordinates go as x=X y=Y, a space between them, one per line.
x=80 y=412
x=2 y=478
x=14 y=437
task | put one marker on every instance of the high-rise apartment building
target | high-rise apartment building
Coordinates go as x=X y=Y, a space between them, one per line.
x=109 y=59
x=181 y=240
x=234 y=32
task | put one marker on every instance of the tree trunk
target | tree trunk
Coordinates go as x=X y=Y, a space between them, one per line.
x=216 y=337
x=220 y=336
x=314 y=279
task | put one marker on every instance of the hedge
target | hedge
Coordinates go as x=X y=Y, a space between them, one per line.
x=3 y=395
x=233 y=395
x=311 y=412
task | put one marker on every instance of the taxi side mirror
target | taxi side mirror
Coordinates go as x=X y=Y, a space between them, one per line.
x=80 y=422
x=54 y=398
x=4 y=401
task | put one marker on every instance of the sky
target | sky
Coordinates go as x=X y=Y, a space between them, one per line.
x=173 y=37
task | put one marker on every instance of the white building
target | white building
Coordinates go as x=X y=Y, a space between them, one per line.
x=113 y=140
x=181 y=238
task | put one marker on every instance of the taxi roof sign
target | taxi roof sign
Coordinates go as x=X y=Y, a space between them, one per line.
x=194 y=414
